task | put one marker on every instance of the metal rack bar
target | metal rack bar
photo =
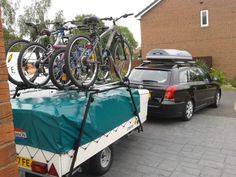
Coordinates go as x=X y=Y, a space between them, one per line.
x=90 y=100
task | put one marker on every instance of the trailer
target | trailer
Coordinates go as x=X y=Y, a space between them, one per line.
x=56 y=147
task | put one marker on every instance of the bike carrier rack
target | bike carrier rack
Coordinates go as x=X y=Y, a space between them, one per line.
x=89 y=92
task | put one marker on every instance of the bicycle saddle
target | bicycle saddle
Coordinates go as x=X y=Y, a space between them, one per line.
x=91 y=20
x=45 y=32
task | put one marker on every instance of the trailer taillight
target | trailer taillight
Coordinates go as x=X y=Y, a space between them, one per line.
x=38 y=167
x=52 y=171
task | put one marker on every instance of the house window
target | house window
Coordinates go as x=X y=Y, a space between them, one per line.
x=204 y=18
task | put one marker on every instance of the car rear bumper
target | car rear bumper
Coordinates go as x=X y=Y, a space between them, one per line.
x=167 y=109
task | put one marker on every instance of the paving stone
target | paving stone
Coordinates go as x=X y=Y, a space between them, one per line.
x=228 y=175
x=168 y=165
x=230 y=169
x=212 y=156
x=231 y=160
x=188 y=170
x=192 y=155
x=191 y=165
x=145 y=169
x=149 y=175
x=229 y=152
x=162 y=173
x=182 y=174
x=188 y=148
x=150 y=161
x=210 y=172
x=212 y=164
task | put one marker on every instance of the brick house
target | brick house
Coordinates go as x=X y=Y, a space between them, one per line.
x=8 y=165
x=206 y=28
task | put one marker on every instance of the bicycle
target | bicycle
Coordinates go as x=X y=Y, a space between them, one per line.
x=33 y=61
x=12 y=53
x=86 y=60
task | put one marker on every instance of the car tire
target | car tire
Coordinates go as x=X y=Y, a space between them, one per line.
x=101 y=162
x=188 y=111
x=216 y=100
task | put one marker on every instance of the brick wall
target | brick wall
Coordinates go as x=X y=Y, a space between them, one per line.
x=8 y=167
x=176 y=24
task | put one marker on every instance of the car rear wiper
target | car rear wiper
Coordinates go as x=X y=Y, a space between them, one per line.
x=150 y=81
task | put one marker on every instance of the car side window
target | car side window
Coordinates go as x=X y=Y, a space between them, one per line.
x=204 y=75
x=183 y=76
x=195 y=75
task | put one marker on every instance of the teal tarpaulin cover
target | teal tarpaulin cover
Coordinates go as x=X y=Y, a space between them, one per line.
x=53 y=123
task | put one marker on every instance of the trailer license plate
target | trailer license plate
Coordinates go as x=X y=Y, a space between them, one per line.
x=24 y=162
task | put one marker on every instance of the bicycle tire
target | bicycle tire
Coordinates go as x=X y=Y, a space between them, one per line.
x=59 y=78
x=35 y=68
x=14 y=46
x=120 y=59
x=77 y=61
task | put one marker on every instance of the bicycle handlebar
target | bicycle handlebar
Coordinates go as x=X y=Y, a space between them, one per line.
x=107 y=18
x=127 y=15
x=116 y=19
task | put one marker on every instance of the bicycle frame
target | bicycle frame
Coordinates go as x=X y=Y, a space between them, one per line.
x=58 y=44
x=113 y=30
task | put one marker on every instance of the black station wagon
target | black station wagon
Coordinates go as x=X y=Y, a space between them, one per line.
x=178 y=87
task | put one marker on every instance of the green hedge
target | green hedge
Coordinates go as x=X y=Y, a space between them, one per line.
x=214 y=73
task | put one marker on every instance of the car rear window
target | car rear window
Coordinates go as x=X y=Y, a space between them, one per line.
x=150 y=76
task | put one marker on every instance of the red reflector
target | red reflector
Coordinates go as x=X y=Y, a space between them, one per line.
x=38 y=167
x=53 y=171
x=170 y=93
x=89 y=46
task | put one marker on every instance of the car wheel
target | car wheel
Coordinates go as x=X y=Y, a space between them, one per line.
x=101 y=162
x=217 y=99
x=188 y=112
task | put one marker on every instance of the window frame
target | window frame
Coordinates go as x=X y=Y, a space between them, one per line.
x=207 y=18
x=187 y=76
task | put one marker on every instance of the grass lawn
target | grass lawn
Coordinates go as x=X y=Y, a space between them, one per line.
x=228 y=88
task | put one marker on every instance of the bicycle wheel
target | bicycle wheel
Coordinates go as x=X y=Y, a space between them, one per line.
x=33 y=63
x=12 y=53
x=81 y=62
x=57 y=70
x=122 y=58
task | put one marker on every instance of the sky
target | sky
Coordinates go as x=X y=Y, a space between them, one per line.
x=101 y=8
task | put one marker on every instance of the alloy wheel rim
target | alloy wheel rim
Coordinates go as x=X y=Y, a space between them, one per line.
x=217 y=98
x=189 y=109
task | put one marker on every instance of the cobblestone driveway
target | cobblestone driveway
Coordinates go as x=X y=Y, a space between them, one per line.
x=202 y=147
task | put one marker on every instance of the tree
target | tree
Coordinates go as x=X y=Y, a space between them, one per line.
x=8 y=9
x=128 y=36
x=59 y=17
x=35 y=13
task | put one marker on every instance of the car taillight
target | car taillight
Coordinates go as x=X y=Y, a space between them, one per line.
x=170 y=93
x=38 y=167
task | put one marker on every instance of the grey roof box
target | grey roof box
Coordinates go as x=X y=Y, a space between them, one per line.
x=169 y=54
